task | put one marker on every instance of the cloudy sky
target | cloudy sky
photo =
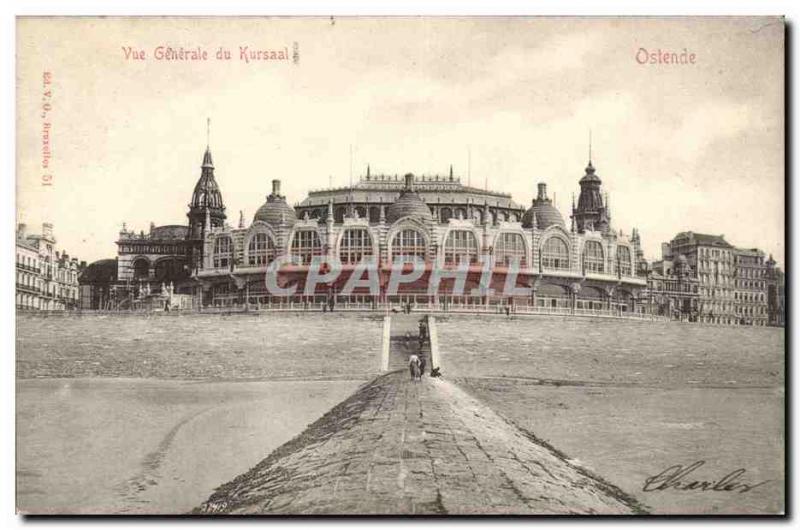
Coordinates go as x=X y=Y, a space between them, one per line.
x=678 y=147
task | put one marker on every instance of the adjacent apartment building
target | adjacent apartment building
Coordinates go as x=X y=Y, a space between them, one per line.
x=47 y=280
x=751 y=287
x=733 y=284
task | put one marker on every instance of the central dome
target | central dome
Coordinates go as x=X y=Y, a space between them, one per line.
x=276 y=211
x=542 y=214
x=409 y=204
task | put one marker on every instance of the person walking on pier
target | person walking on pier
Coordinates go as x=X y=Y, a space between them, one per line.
x=413 y=367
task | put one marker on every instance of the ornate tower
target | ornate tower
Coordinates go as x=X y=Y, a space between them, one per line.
x=592 y=213
x=206 y=210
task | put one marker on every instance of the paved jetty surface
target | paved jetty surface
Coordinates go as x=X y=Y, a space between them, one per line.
x=397 y=447
x=403 y=447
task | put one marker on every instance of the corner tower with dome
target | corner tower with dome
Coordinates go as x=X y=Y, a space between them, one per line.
x=171 y=254
x=206 y=210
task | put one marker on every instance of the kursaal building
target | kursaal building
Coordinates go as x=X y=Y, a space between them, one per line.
x=385 y=239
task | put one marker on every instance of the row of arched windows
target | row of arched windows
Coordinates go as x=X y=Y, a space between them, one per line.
x=445 y=213
x=461 y=246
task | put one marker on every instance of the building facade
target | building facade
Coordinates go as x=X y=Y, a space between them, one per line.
x=751 y=287
x=776 y=294
x=47 y=280
x=736 y=285
x=436 y=219
x=673 y=290
x=712 y=259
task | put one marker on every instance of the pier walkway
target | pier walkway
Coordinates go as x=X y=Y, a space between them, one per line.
x=403 y=447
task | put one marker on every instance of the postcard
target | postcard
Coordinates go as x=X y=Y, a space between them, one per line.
x=400 y=265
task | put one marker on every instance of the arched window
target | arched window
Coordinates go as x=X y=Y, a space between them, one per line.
x=408 y=242
x=169 y=269
x=555 y=254
x=593 y=260
x=223 y=252
x=374 y=214
x=305 y=244
x=510 y=247
x=624 y=261
x=141 y=269
x=459 y=247
x=338 y=214
x=356 y=245
x=445 y=214
x=260 y=250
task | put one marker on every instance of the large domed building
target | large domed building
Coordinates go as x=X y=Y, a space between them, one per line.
x=383 y=219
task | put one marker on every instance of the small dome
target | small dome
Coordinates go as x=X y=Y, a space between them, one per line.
x=99 y=272
x=276 y=210
x=542 y=213
x=408 y=204
x=177 y=232
x=590 y=175
x=682 y=259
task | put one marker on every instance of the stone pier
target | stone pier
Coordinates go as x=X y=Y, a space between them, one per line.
x=402 y=447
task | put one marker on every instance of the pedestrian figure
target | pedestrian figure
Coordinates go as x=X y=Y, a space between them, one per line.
x=422 y=365
x=413 y=367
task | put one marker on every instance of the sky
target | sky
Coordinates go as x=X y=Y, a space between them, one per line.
x=509 y=102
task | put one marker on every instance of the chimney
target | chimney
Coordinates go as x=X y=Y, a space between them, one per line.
x=276 y=187
x=409 y=178
x=542 y=196
x=47 y=230
x=22 y=231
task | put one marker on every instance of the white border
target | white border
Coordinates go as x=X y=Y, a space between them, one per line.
x=10 y=9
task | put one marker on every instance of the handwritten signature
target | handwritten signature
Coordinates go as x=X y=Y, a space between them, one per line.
x=677 y=477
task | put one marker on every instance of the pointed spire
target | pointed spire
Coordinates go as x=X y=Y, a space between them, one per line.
x=590 y=147
x=451 y=172
x=241 y=218
x=207 y=161
x=368 y=172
